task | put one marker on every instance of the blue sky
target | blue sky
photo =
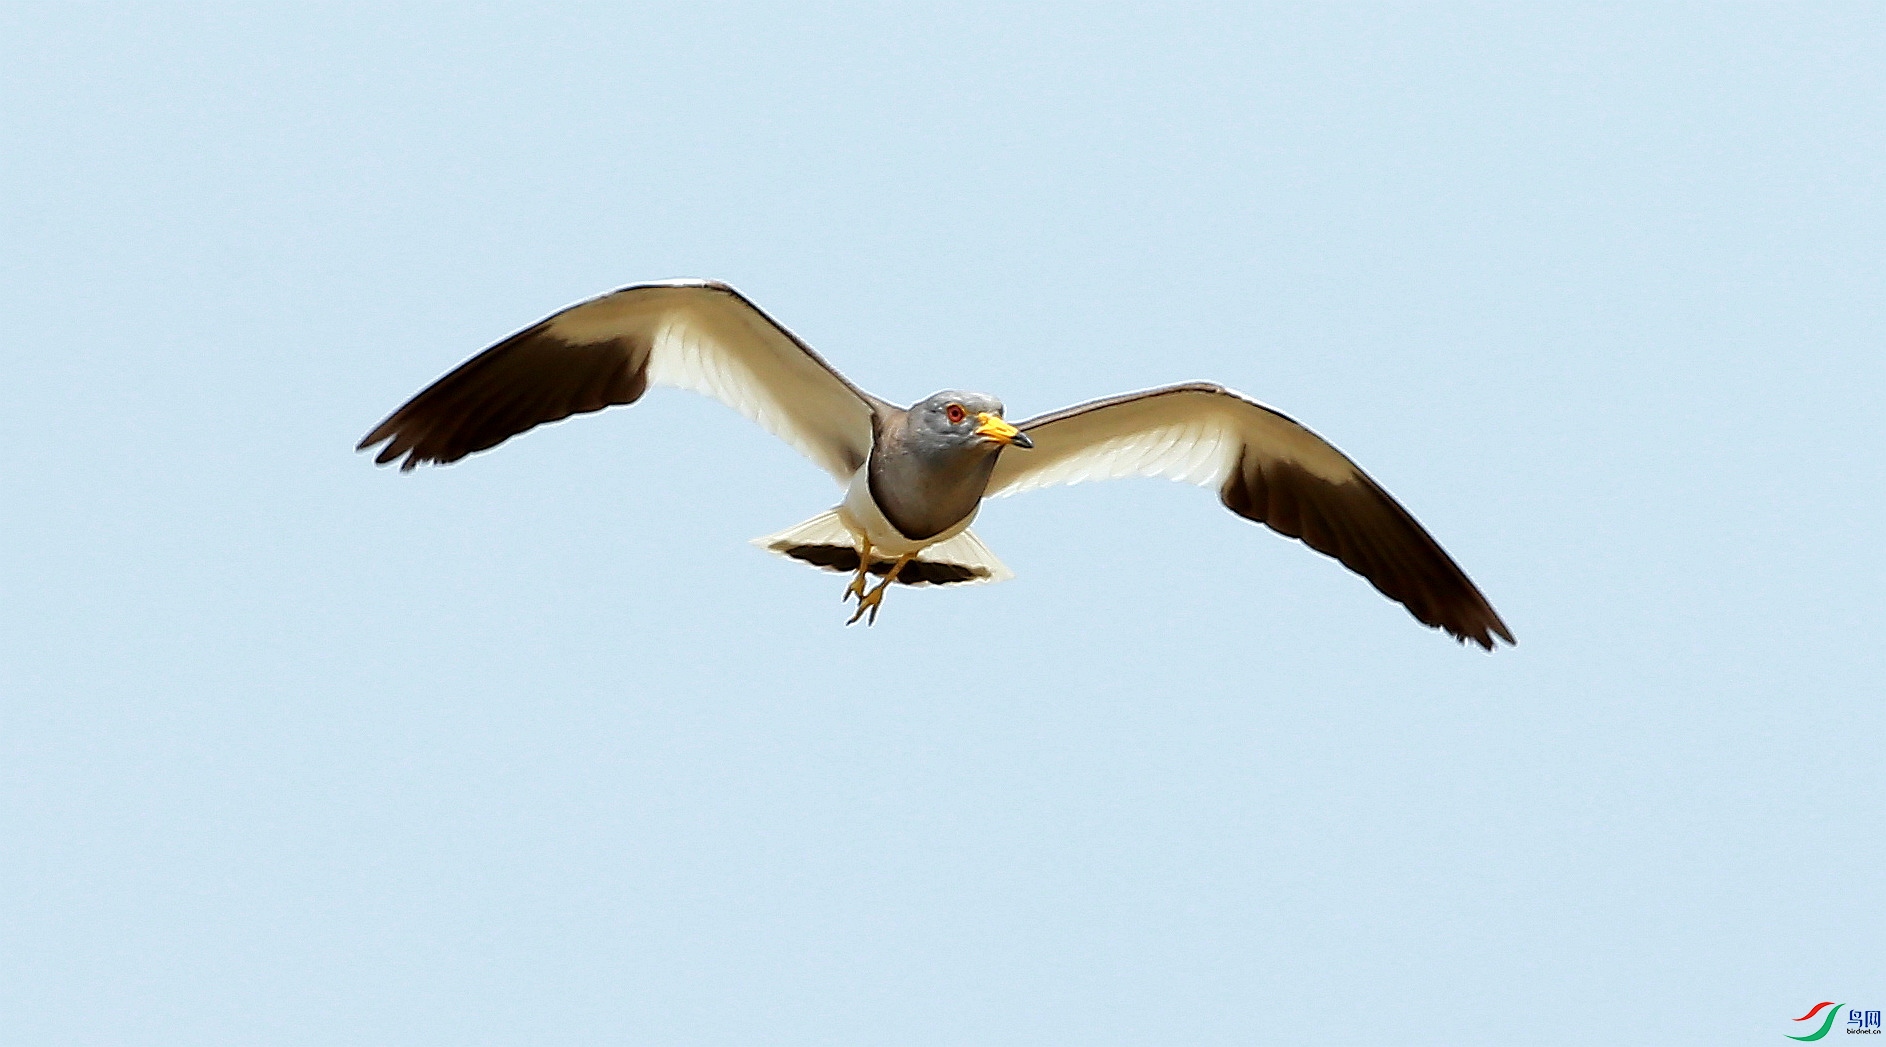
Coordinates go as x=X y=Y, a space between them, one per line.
x=535 y=748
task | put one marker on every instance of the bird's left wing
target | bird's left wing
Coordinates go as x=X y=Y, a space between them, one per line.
x=690 y=334
x=1267 y=468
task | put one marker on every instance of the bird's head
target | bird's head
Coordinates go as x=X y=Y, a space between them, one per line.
x=952 y=419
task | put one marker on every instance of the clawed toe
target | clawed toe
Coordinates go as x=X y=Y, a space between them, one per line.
x=870 y=601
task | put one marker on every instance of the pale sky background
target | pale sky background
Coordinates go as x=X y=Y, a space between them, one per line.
x=536 y=749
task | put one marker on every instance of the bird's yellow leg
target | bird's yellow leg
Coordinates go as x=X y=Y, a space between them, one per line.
x=856 y=588
x=870 y=601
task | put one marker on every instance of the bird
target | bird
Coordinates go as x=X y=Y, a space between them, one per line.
x=915 y=478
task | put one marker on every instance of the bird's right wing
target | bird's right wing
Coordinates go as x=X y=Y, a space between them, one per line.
x=1267 y=468
x=689 y=334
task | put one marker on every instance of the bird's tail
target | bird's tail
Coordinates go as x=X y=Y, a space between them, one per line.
x=824 y=541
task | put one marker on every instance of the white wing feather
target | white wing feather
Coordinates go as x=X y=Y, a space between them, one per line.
x=712 y=341
x=1189 y=433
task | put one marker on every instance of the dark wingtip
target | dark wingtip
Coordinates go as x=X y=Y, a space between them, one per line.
x=377 y=435
x=1484 y=634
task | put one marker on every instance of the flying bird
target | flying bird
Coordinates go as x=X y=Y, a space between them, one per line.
x=914 y=478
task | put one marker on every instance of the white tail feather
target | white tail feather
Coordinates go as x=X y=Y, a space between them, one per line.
x=824 y=529
x=964 y=550
x=967 y=550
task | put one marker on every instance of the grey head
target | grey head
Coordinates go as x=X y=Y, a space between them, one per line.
x=953 y=423
x=931 y=464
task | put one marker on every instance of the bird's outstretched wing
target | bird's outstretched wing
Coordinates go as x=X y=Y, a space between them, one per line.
x=1267 y=468
x=690 y=334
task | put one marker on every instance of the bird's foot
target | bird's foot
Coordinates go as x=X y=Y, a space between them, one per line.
x=868 y=602
x=856 y=588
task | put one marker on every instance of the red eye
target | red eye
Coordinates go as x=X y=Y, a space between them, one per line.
x=956 y=414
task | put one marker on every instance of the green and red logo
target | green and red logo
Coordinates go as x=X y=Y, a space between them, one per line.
x=1833 y=1011
x=1865 y=1023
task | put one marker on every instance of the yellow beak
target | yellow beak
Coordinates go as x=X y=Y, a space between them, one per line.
x=1000 y=431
